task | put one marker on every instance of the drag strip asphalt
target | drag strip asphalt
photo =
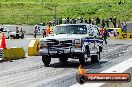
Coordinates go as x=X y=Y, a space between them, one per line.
x=30 y=72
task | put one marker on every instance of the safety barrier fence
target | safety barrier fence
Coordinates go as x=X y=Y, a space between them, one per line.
x=12 y=53
x=117 y=33
x=33 y=48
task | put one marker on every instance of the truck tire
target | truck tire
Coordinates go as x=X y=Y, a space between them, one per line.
x=87 y=51
x=94 y=59
x=7 y=37
x=82 y=59
x=21 y=37
x=81 y=78
x=12 y=37
x=63 y=59
x=46 y=60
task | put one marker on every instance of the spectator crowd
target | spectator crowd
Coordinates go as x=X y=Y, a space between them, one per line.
x=108 y=22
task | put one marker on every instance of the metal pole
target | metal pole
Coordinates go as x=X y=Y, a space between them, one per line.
x=42 y=3
x=55 y=16
x=41 y=10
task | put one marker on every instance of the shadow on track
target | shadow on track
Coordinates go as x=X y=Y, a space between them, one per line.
x=75 y=64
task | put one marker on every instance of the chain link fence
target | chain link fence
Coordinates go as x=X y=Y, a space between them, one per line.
x=25 y=19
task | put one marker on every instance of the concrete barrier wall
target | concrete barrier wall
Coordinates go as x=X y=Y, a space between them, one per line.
x=127 y=35
x=33 y=48
x=13 y=53
x=114 y=32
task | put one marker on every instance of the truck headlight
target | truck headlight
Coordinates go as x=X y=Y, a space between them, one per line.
x=77 y=43
x=43 y=45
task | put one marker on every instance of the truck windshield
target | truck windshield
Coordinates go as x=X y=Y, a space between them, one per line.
x=70 y=29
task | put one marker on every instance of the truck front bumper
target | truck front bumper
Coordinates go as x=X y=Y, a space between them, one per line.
x=60 y=51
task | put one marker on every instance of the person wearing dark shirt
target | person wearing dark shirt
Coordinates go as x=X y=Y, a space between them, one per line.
x=89 y=21
x=103 y=23
x=81 y=20
x=97 y=21
x=114 y=22
x=74 y=21
x=17 y=33
x=60 y=20
x=68 y=20
x=107 y=22
x=85 y=20
x=105 y=34
x=44 y=33
x=35 y=32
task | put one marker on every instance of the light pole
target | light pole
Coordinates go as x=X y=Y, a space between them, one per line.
x=42 y=3
x=55 y=16
x=41 y=16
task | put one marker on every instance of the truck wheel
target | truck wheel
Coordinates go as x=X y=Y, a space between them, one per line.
x=8 y=37
x=46 y=60
x=63 y=59
x=94 y=59
x=12 y=37
x=21 y=37
x=82 y=59
x=81 y=79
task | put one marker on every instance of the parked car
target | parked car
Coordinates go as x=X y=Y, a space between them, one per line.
x=8 y=34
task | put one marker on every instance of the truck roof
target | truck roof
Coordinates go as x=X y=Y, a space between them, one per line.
x=73 y=24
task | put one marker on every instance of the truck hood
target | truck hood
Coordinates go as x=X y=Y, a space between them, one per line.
x=65 y=37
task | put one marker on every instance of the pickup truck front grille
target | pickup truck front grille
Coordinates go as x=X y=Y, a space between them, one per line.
x=56 y=43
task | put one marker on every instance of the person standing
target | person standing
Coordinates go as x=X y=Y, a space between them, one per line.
x=124 y=27
x=48 y=30
x=97 y=21
x=89 y=21
x=111 y=19
x=119 y=24
x=81 y=19
x=60 y=20
x=35 y=32
x=68 y=20
x=22 y=33
x=107 y=22
x=44 y=32
x=74 y=21
x=103 y=23
x=105 y=34
x=85 y=20
x=17 y=33
x=114 y=22
x=93 y=21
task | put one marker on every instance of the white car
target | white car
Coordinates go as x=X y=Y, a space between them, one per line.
x=5 y=31
x=77 y=41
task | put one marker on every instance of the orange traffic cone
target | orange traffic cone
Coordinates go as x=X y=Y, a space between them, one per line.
x=3 y=43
